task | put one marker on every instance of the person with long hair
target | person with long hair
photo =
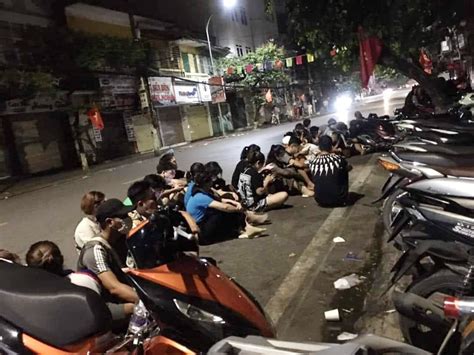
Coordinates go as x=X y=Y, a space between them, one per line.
x=254 y=186
x=218 y=219
x=242 y=163
x=88 y=227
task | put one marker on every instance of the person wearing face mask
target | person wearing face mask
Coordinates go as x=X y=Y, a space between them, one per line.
x=99 y=257
x=144 y=201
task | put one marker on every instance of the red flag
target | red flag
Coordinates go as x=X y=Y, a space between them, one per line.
x=230 y=71
x=96 y=118
x=370 y=50
x=269 y=96
x=426 y=62
x=299 y=60
x=249 y=68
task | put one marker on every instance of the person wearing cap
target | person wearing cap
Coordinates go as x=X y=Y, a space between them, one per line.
x=327 y=129
x=143 y=200
x=99 y=257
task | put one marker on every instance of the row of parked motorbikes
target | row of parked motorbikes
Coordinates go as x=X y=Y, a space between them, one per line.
x=188 y=305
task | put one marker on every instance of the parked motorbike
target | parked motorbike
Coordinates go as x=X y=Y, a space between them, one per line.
x=406 y=168
x=190 y=304
x=434 y=229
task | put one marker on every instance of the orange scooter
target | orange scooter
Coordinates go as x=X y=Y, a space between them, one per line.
x=190 y=303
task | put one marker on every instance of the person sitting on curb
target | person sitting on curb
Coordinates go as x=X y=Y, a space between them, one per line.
x=99 y=257
x=88 y=227
x=331 y=176
x=143 y=200
x=217 y=218
x=254 y=186
x=242 y=163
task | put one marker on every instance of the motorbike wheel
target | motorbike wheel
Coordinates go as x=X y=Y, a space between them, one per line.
x=430 y=339
x=390 y=209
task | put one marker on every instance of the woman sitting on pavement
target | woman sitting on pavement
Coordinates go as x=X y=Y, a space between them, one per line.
x=170 y=158
x=195 y=169
x=242 y=163
x=46 y=255
x=218 y=219
x=254 y=186
x=88 y=227
x=219 y=185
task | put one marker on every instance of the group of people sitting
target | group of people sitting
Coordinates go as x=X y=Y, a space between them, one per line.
x=305 y=163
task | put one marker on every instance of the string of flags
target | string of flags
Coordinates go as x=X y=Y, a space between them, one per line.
x=268 y=65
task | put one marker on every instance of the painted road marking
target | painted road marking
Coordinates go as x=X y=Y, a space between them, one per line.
x=313 y=253
x=131 y=182
x=3 y=224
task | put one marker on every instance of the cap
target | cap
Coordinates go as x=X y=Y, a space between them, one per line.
x=331 y=121
x=286 y=140
x=112 y=208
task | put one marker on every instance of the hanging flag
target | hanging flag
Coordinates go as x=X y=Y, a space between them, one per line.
x=370 y=50
x=96 y=118
x=333 y=52
x=268 y=65
x=299 y=59
x=249 y=68
x=269 y=96
x=240 y=69
x=259 y=66
x=278 y=64
x=289 y=62
x=310 y=57
x=426 y=62
x=230 y=71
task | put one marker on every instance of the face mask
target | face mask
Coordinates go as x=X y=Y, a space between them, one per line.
x=126 y=226
x=169 y=175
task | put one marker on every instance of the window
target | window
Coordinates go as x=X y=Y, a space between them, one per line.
x=186 y=65
x=243 y=16
x=248 y=50
x=240 y=51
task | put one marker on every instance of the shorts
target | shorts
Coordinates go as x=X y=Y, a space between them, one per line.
x=260 y=206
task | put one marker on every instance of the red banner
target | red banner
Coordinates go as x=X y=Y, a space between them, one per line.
x=370 y=50
x=96 y=118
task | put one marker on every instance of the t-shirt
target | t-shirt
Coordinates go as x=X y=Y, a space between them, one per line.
x=98 y=257
x=87 y=229
x=84 y=279
x=127 y=202
x=189 y=191
x=241 y=165
x=331 y=179
x=249 y=181
x=198 y=205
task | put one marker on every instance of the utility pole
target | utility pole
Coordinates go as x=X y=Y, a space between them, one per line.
x=144 y=79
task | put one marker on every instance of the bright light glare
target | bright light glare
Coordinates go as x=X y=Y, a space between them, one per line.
x=229 y=3
x=342 y=102
x=387 y=94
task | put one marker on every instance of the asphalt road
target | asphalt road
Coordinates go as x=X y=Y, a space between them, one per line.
x=290 y=271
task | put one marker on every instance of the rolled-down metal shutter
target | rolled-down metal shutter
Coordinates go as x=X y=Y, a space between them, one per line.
x=170 y=125
x=198 y=122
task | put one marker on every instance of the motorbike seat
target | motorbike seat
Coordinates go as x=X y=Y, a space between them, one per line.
x=458 y=171
x=50 y=308
x=449 y=149
x=439 y=160
x=458 y=139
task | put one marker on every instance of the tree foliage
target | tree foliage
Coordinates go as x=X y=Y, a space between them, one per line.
x=259 y=80
x=403 y=26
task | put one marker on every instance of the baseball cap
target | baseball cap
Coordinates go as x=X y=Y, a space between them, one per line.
x=112 y=208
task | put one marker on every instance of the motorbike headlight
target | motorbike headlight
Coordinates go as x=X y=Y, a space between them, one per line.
x=196 y=313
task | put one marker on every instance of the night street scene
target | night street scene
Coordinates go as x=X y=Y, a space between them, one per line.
x=236 y=177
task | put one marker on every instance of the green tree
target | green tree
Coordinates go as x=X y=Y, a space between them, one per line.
x=403 y=26
x=259 y=79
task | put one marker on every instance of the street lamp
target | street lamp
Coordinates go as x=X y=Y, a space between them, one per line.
x=228 y=4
